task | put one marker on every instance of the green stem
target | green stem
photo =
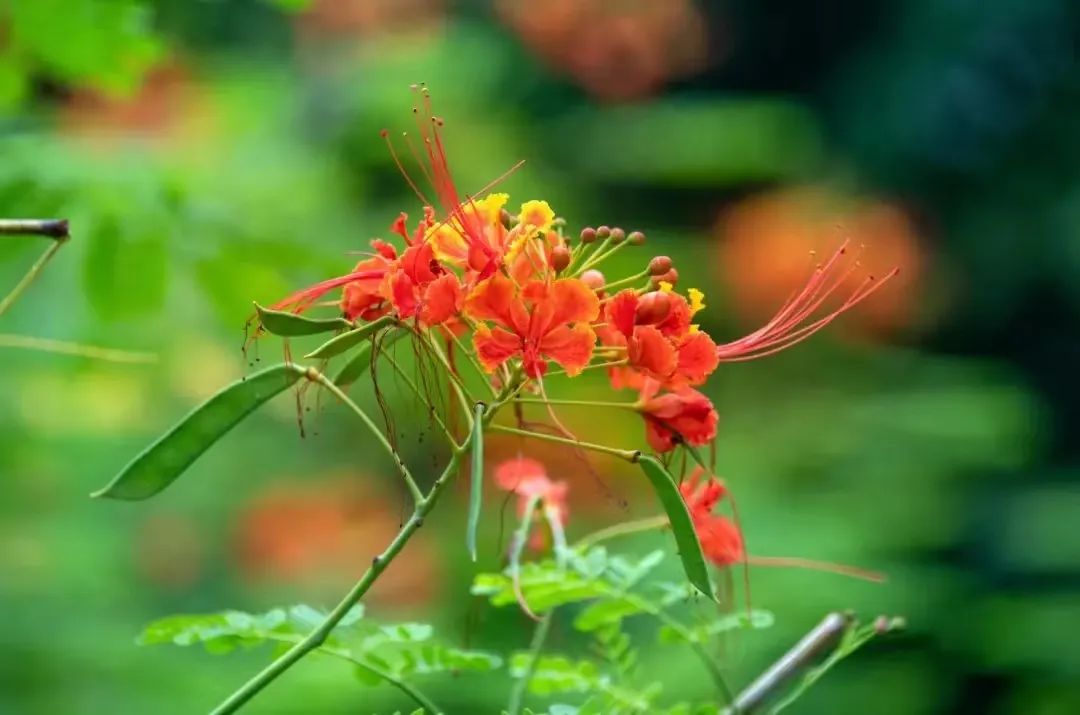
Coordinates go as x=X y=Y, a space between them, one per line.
x=410 y=690
x=315 y=376
x=580 y=403
x=62 y=347
x=472 y=361
x=699 y=650
x=630 y=455
x=31 y=274
x=625 y=281
x=650 y=523
x=464 y=397
x=587 y=258
x=316 y=638
x=420 y=396
x=517 y=694
x=601 y=255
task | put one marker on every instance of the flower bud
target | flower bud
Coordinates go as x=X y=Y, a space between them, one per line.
x=603 y=232
x=588 y=235
x=659 y=265
x=636 y=238
x=652 y=308
x=594 y=279
x=672 y=277
x=560 y=258
x=618 y=235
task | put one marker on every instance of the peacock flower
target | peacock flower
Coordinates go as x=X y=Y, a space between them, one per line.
x=661 y=343
x=672 y=418
x=542 y=321
x=528 y=479
x=721 y=540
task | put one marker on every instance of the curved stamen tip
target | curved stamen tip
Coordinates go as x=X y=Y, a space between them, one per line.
x=384 y=133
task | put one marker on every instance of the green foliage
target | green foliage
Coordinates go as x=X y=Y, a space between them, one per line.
x=289 y=325
x=681 y=525
x=380 y=653
x=107 y=44
x=347 y=341
x=855 y=636
x=167 y=458
x=610 y=589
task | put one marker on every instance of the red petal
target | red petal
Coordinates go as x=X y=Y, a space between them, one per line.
x=573 y=302
x=442 y=299
x=491 y=299
x=620 y=311
x=652 y=353
x=494 y=347
x=697 y=358
x=572 y=348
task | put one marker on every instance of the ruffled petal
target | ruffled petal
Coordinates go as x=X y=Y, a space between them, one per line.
x=620 y=311
x=652 y=353
x=697 y=358
x=443 y=299
x=494 y=347
x=573 y=302
x=491 y=299
x=572 y=348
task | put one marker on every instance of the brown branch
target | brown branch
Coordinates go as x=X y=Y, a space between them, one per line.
x=51 y=227
x=813 y=645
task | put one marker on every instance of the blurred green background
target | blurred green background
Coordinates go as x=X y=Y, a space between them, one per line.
x=217 y=152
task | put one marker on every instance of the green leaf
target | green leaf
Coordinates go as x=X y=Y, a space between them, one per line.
x=681 y=525
x=360 y=362
x=543 y=584
x=357 y=365
x=476 y=483
x=346 y=341
x=289 y=325
x=756 y=619
x=217 y=632
x=556 y=674
x=167 y=458
x=606 y=612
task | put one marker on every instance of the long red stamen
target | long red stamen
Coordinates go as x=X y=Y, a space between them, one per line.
x=303 y=298
x=812 y=565
x=789 y=326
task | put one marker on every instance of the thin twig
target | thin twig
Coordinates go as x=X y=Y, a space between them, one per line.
x=410 y=690
x=317 y=637
x=432 y=412
x=63 y=347
x=517 y=694
x=315 y=376
x=630 y=455
x=50 y=227
x=31 y=274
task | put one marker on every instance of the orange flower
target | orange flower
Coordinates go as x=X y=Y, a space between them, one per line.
x=721 y=541
x=419 y=286
x=660 y=341
x=362 y=298
x=684 y=415
x=541 y=322
x=528 y=479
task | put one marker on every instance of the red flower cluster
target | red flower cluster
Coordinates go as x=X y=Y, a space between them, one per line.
x=721 y=540
x=529 y=297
